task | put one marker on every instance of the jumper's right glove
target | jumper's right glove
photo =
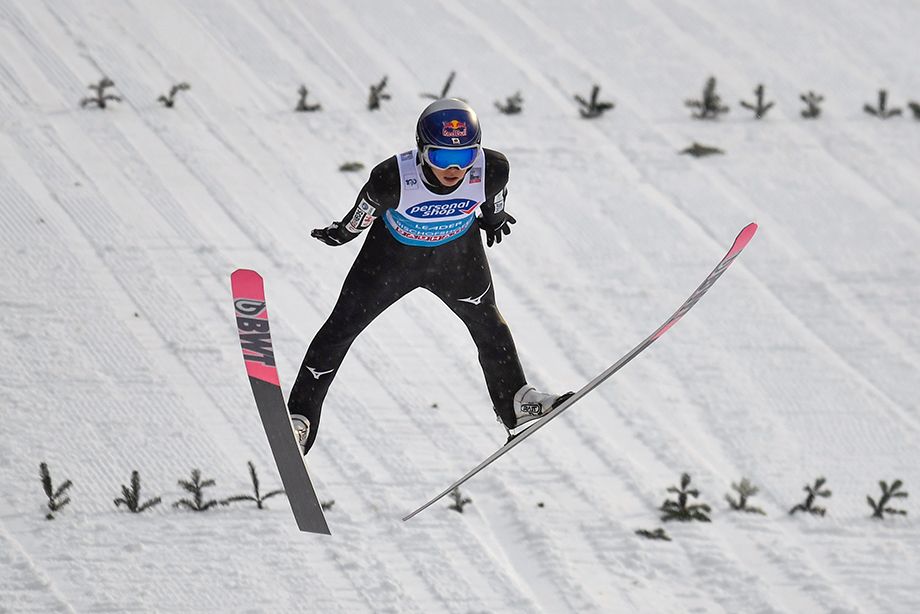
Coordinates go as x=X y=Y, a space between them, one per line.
x=330 y=235
x=495 y=231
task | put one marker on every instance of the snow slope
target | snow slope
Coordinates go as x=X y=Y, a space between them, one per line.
x=119 y=230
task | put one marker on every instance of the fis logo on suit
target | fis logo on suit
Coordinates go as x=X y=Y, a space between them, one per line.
x=442 y=208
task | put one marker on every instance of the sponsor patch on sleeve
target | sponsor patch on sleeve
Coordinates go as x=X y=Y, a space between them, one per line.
x=362 y=218
x=500 y=201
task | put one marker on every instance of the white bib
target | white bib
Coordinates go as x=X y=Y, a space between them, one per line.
x=424 y=218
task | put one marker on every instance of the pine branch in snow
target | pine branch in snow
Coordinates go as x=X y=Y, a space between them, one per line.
x=513 y=104
x=56 y=498
x=302 y=105
x=101 y=98
x=759 y=108
x=256 y=497
x=350 y=167
x=196 y=487
x=813 y=101
x=170 y=100
x=459 y=500
x=682 y=509
x=656 y=534
x=745 y=491
x=592 y=108
x=131 y=497
x=710 y=105
x=888 y=493
x=882 y=111
x=701 y=151
x=444 y=90
x=915 y=109
x=377 y=94
x=813 y=493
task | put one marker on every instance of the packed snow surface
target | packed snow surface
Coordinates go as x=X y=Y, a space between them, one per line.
x=119 y=229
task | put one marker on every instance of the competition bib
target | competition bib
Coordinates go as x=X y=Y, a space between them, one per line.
x=424 y=218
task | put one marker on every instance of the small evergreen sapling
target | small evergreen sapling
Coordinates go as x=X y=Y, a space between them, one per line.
x=513 y=104
x=131 y=498
x=882 y=111
x=256 y=496
x=701 y=151
x=759 y=108
x=302 y=105
x=377 y=94
x=591 y=108
x=656 y=534
x=459 y=500
x=444 y=90
x=101 y=97
x=710 y=106
x=813 y=102
x=195 y=487
x=681 y=509
x=915 y=109
x=888 y=493
x=170 y=100
x=745 y=491
x=350 y=167
x=55 y=500
x=813 y=493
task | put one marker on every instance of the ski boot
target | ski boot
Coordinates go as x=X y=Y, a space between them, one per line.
x=530 y=405
x=301 y=428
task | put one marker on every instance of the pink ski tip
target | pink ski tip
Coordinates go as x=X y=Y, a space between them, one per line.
x=246 y=283
x=252 y=321
x=245 y=275
x=744 y=237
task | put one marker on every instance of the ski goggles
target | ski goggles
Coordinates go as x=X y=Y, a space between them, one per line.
x=444 y=158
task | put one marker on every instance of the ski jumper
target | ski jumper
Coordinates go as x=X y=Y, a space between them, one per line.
x=422 y=235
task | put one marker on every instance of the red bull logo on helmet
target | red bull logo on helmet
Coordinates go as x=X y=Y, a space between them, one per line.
x=453 y=128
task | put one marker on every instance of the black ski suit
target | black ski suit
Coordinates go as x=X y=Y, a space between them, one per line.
x=385 y=270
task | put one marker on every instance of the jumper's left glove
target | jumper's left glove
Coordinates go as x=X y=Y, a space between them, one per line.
x=495 y=231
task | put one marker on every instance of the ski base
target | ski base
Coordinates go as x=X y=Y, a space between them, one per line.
x=741 y=241
x=255 y=339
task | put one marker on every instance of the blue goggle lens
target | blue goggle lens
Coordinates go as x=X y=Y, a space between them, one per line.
x=444 y=158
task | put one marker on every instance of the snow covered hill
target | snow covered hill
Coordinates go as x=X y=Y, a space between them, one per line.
x=119 y=229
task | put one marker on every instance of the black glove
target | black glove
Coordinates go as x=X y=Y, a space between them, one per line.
x=330 y=235
x=494 y=232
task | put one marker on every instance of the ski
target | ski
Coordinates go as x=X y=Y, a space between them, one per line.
x=259 y=357
x=741 y=241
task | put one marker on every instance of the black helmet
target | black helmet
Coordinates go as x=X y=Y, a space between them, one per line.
x=447 y=123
